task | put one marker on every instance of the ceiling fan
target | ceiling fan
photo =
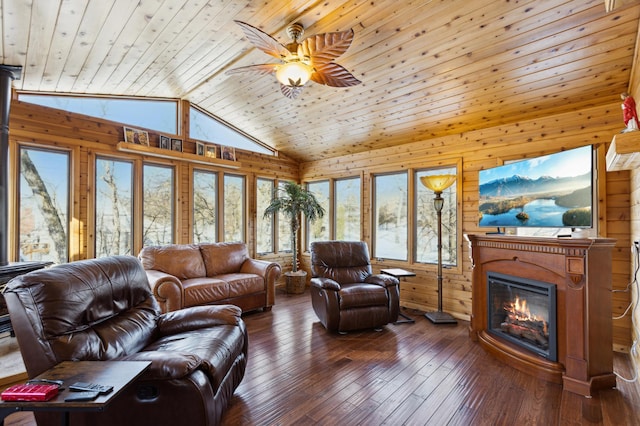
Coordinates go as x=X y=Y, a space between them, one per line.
x=302 y=60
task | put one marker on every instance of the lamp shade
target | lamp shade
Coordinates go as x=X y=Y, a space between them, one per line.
x=438 y=183
x=294 y=74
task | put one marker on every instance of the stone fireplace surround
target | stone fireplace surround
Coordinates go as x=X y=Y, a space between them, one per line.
x=581 y=270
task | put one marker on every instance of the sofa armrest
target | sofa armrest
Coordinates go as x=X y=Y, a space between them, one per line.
x=270 y=271
x=167 y=289
x=166 y=365
x=382 y=280
x=197 y=317
x=325 y=283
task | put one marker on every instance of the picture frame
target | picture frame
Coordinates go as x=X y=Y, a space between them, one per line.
x=137 y=136
x=176 y=144
x=210 y=151
x=228 y=153
x=164 y=142
x=199 y=148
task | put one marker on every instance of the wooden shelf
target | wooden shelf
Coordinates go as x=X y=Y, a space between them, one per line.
x=176 y=155
x=624 y=152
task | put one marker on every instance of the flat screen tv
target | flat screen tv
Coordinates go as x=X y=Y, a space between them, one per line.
x=551 y=191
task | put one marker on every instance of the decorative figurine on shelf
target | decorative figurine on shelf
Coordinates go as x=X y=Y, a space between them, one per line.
x=629 y=113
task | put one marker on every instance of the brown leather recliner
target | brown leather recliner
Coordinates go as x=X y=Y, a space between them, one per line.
x=103 y=309
x=345 y=293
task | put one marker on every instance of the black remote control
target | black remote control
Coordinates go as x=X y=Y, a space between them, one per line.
x=91 y=387
x=82 y=396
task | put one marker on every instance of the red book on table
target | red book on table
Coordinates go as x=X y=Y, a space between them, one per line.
x=29 y=392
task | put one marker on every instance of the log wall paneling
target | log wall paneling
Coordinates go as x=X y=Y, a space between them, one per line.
x=488 y=148
x=87 y=137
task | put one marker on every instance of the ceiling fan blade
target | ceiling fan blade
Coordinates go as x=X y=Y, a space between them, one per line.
x=262 y=69
x=326 y=47
x=290 y=92
x=263 y=41
x=332 y=74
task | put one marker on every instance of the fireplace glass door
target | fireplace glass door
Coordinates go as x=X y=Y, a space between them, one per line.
x=523 y=311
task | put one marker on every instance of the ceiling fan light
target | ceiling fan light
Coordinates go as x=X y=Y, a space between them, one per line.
x=294 y=74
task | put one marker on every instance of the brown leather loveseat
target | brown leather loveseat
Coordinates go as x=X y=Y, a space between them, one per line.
x=183 y=275
x=103 y=309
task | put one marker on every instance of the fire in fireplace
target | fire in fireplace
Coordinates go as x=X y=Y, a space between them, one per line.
x=523 y=311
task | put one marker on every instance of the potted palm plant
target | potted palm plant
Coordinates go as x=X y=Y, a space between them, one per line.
x=294 y=200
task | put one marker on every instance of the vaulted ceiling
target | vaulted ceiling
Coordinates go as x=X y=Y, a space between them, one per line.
x=428 y=68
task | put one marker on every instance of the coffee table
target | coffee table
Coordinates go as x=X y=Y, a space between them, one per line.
x=118 y=374
x=399 y=274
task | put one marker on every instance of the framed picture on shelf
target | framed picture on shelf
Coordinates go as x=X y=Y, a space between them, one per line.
x=176 y=144
x=137 y=136
x=199 y=148
x=210 y=151
x=228 y=153
x=165 y=142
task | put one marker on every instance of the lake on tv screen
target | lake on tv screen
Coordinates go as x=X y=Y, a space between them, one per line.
x=541 y=212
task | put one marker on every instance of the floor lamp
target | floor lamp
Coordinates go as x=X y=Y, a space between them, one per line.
x=438 y=183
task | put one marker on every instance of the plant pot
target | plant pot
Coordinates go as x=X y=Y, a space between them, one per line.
x=296 y=281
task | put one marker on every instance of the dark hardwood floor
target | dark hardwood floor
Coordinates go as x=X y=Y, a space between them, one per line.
x=406 y=374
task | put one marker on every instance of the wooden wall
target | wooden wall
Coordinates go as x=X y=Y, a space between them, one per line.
x=488 y=148
x=472 y=151
x=86 y=137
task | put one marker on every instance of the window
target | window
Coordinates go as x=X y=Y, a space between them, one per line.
x=156 y=114
x=318 y=230
x=284 y=228
x=264 y=225
x=44 y=205
x=347 y=209
x=234 y=196
x=113 y=207
x=158 y=201
x=204 y=127
x=205 y=211
x=426 y=233
x=390 y=216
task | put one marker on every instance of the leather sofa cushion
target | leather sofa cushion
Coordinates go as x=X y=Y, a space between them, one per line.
x=343 y=262
x=183 y=261
x=241 y=284
x=201 y=291
x=223 y=258
x=216 y=348
x=361 y=295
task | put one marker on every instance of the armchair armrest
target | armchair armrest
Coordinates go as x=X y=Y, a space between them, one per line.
x=382 y=280
x=167 y=289
x=197 y=317
x=325 y=283
x=270 y=271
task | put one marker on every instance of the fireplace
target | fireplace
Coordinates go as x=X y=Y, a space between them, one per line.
x=578 y=273
x=523 y=311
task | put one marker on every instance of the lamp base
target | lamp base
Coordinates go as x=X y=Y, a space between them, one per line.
x=440 y=317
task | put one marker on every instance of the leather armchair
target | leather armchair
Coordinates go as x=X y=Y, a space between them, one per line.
x=103 y=309
x=345 y=293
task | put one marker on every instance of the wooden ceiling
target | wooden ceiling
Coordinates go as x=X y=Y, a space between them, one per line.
x=429 y=68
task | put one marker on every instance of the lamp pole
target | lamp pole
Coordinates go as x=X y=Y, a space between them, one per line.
x=439 y=317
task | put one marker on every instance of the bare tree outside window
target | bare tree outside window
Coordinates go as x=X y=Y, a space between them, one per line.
x=114 y=207
x=205 y=196
x=426 y=222
x=234 y=202
x=318 y=230
x=264 y=232
x=44 y=205
x=284 y=228
x=347 y=208
x=390 y=216
x=158 y=201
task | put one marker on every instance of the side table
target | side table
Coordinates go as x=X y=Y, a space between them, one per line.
x=118 y=374
x=399 y=274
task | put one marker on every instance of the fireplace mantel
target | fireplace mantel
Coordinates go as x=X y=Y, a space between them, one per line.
x=581 y=270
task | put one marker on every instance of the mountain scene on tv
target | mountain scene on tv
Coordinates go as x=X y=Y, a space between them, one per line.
x=544 y=201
